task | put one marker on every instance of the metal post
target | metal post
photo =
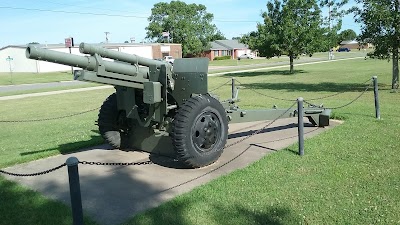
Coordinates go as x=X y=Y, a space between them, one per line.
x=9 y=59
x=75 y=190
x=233 y=88
x=377 y=109
x=72 y=68
x=300 y=125
x=9 y=64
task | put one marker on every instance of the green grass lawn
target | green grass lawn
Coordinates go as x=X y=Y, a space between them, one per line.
x=30 y=78
x=84 y=85
x=349 y=175
x=22 y=142
x=285 y=59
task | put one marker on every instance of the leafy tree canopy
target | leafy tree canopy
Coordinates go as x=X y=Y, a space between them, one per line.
x=381 y=27
x=333 y=20
x=290 y=27
x=188 y=24
x=347 y=35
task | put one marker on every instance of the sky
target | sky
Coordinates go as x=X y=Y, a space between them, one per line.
x=51 y=21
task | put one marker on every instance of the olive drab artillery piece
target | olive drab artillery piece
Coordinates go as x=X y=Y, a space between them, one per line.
x=161 y=108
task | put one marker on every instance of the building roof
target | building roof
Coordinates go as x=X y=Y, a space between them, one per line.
x=349 y=42
x=227 y=45
x=109 y=45
x=216 y=46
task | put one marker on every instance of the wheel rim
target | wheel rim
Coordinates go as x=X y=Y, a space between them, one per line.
x=206 y=131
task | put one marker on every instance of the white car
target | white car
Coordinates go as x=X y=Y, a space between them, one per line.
x=169 y=59
x=246 y=56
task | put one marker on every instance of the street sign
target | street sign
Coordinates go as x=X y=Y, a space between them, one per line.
x=69 y=42
x=9 y=58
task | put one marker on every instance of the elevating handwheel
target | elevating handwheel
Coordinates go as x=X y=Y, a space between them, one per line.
x=199 y=131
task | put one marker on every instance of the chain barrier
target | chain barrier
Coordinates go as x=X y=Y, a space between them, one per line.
x=339 y=93
x=252 y=134
x=261 y=129
x=220 y=86
x=282 y=99
x=148 y=162
x=48 y=119
x=339 y=107
x=33 y=174
x=311 y=99
x=234 y=158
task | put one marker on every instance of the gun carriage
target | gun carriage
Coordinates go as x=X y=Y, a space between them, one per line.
x=161 y=108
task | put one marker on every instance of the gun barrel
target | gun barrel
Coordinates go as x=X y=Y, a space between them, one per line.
x=85 y=62
x=121 y=56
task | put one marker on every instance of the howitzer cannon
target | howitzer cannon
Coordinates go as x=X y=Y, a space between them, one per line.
x=159 y=108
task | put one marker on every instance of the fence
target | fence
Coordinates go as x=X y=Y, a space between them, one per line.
x=72 y=162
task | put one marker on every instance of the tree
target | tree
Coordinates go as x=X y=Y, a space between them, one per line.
x=218 y=36
x=333 y=21
x=381 y=27
x=188 y=24
x=290 y=27
x=347 y=35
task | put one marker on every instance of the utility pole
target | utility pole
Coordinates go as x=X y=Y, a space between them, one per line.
x=330 y=29
x=107 y=33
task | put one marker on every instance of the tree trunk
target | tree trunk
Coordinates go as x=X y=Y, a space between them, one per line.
x=291 y=64
x=395 y=77
x=396 y=45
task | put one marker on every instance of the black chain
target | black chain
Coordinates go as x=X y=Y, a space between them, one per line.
x=33 y=174
x=311 y=99
x=252 y=134
x=342 y=106
x=219 y=86
x=282 y=99
x=261 y=129
x=148 y=162
x=47 y=119
x=339 y=93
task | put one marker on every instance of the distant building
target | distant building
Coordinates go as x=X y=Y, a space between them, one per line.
x=226 y=47
x=20 y=63
x=353 y=44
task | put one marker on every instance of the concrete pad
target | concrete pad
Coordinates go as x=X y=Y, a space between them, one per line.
x=113 y=194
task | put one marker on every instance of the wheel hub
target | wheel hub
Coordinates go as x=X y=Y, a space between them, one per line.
x=206 y=131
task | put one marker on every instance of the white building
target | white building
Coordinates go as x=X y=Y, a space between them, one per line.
x=13 y=57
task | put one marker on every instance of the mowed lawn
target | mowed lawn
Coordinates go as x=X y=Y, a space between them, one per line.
x=349 y=175
x=31 y=78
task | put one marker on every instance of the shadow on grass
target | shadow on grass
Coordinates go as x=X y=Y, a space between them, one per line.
x=70 y=147
x=176 y=213
x=23 y=206
x=318 y=87
x=266 y=73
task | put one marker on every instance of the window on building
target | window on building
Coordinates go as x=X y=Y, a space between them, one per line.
x=216 y=53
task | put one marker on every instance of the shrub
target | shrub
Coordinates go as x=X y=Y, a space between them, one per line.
x=222 y=57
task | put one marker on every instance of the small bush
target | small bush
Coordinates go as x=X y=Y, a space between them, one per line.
x=222 y=57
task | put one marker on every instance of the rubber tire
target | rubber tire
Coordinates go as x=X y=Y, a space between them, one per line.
x=107 y=121
x=188 y=116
